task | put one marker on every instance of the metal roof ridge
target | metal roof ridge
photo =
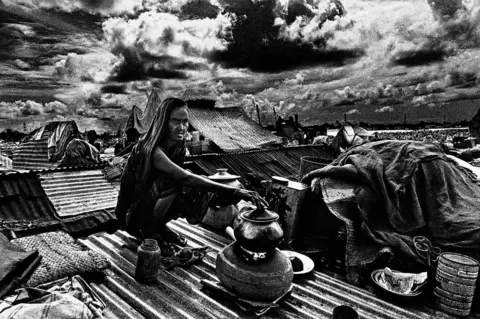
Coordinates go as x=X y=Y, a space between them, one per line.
x=57 y=169
x=256 y=150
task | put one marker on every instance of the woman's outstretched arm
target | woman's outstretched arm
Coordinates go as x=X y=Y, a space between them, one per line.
x=162 y=163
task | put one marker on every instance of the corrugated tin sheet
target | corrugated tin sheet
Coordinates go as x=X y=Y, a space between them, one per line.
x=24 y=206
x=231 y=129
x=83 y=199
x=178 y=293
x=33 y=154
x=264 y=163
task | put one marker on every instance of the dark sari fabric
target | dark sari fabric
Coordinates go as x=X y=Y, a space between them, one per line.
x=142 y=185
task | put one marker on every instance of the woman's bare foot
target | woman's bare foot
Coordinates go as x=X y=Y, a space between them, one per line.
x=173 y=237
x=166 y=248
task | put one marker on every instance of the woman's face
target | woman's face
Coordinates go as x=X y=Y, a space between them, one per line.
x=178 y=124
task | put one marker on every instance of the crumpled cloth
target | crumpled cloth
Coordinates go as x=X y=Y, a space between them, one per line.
x=16 y=265
x=401 y=189
x=184 y=257
x=65 y=298
x=79 y=152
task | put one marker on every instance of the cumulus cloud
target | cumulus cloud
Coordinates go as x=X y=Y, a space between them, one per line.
x=384 y=109
x=31 y=108
x=404 y=32
x=353 y=111
x=307 y=95
x=55 y=107
x=156 y=43
x=298 y=80
x=21 y=64
x=91 y=67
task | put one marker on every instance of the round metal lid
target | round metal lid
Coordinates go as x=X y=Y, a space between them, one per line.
x=223 y=175
x=260 y=215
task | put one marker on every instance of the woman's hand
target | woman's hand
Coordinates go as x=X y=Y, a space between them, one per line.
x=250 y=196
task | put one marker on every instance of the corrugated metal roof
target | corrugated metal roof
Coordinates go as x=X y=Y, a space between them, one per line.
x=265 y=163
x=178 y=293
x=33 y=154
x=78 y=192
x=231 y=129
x=24 y=206
x=84 y=199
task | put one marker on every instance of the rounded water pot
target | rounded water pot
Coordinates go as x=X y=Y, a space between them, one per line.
x=259 y=230
x=223 y=177
x=265 y=280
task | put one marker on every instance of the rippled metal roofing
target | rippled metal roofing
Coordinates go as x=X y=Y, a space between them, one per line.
x=77 y=192
x=178 y=293
x=265 y=163
x=79 y=200
x=24 y=206
x=33 y=154
x=83 y=199
x=231 y=129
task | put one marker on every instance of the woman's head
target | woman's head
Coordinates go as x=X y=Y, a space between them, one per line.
x=169 y=122
x=178 y=124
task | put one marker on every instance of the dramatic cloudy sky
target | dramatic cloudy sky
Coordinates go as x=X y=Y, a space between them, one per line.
x=374 y=60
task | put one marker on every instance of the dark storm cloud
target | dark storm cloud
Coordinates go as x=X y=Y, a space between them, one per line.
x=420 y=57
x=245 y=34
x=456 y=29
x=258 y=44
x=114 y=88
x=134 y=66
x=103 y=7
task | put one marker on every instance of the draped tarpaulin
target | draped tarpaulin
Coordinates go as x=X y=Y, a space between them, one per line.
x=401 y=189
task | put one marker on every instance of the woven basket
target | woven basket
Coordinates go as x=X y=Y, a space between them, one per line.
x=61 y=257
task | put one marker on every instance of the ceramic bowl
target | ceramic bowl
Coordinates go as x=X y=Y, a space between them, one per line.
x=382 y=290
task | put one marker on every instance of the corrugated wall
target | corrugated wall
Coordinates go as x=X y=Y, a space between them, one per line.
x=178 y=293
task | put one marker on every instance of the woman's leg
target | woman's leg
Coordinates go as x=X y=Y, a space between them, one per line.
x=159 y=219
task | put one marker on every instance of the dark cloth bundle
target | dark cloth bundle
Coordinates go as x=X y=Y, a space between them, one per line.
x=387 y=192
x=16 y=265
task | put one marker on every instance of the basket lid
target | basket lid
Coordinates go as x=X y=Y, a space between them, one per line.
x=460 y=259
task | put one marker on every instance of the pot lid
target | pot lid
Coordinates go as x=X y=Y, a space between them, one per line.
x=260 y=215
x=223 y=175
